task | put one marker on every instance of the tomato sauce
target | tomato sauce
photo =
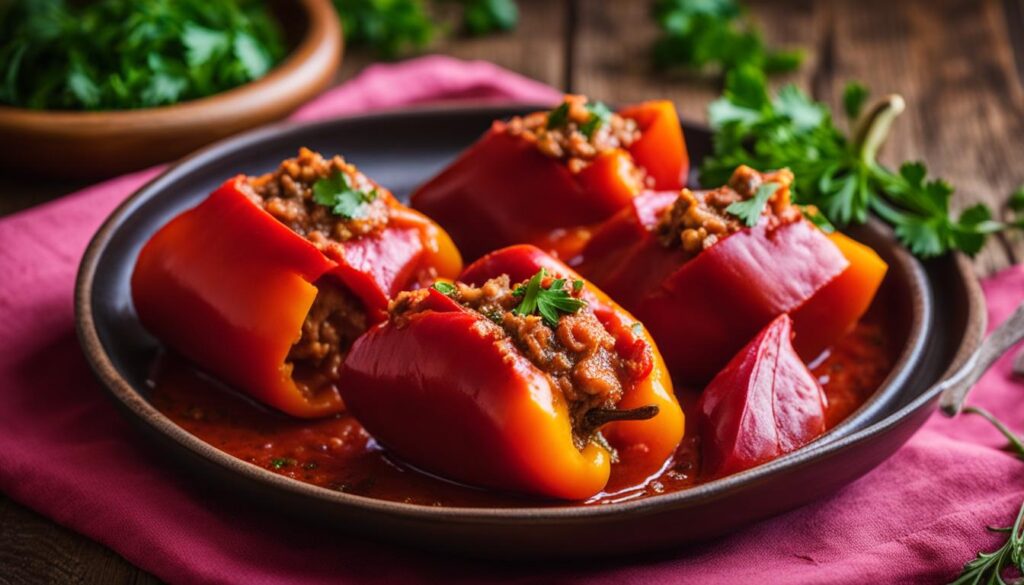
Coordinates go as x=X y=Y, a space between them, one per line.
x=337 y=453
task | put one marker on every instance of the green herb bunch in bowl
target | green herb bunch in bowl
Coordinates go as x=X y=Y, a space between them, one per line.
x=114 y=85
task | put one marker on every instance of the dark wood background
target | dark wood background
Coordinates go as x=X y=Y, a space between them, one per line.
x=959 y=64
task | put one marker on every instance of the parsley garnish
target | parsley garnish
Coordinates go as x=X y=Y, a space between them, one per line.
x=392 y=28
x=444 y=288
x=337 y=192
x=749 y=211
x=481 y=17
x=122 y=54
x=548 y=302
x=559 y=116
x=836 y=173
x=281 y=462
x=599 y=116
x=701 y=34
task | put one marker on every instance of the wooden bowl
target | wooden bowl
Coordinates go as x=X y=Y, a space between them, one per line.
x=105 y=143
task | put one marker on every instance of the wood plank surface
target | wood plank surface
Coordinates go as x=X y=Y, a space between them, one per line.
x=959 y=63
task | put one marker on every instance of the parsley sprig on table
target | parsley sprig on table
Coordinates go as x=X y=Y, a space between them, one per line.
x=836 y=173
x=392 y=28
x=338 y=193
x=704 y=34
x=121 y=54
x=548 y=301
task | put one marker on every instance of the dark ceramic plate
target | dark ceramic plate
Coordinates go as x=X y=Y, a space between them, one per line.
x=937 y=311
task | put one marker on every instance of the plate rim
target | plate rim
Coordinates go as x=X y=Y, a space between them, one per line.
x=123 y=391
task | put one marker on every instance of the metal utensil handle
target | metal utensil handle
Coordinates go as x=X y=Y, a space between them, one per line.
x=956 y=387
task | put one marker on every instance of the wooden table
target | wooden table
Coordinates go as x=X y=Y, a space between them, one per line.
x=959 y=63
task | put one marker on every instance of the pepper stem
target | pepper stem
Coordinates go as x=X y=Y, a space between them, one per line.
x=598 y=417
x=873 y=127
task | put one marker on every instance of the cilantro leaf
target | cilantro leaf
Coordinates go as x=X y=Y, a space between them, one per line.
x=484 y=16
x=599 y=115
x=834 y=172
x=549 y=302
x=854 y=97
x=749 y=211
x=389 y=27
x=704 y=34
x=559 y=116
x=445 y=288
x=337 y=192
x=119 y=54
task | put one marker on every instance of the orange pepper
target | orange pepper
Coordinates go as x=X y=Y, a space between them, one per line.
x=837 y=307
x=465 y=404
x=228 y=286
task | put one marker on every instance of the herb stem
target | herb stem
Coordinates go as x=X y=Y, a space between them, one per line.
x=1016 y=443
x=873 y=128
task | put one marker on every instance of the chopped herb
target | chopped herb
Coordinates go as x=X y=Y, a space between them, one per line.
x=494 y=316
x=444 y=288
x=122 y=54
x=703 y=34
x=817 y=218
x=389 y=27
x=337 y=192
x=637 y=328
x=600 y=115
x=548 y=302
x=481 y=17
x=281 y=462
x=836 y=173
x=577 y=286
x=855 y=95
x=559 y=116
x=749 y=211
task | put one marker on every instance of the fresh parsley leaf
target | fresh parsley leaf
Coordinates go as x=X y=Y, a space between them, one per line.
x=444 y=288
x=121 y=54
x=389 y=27
x=834 y=172
x=749 y=211
x=577 y=286
x=1017 y=200
x=600 y=114
x=559 y=116
x=549 y=302
x=337 y=192
x=855 y=95
x=481 y=17
x=817 y=218
x=703 y=34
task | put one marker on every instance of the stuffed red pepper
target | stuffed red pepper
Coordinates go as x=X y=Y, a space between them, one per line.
x=764 y=404
x=545 y=177
x=520 y=376
x=705 y=270
x=268 y=281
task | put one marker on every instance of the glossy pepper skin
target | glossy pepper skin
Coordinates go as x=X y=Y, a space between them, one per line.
x=702 y=309
x=764 y=404
x=465 y=404
x=503 y=190
x=228 y=286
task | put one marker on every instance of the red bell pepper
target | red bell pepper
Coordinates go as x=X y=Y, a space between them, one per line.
x=701 y=310
x=463 y=403
x=764 y=404
x=503 y=190
x=229 y=287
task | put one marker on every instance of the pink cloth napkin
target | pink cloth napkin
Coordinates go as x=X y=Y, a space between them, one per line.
x=66 y=452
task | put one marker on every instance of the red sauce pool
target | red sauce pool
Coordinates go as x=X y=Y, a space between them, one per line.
x=336 y=453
